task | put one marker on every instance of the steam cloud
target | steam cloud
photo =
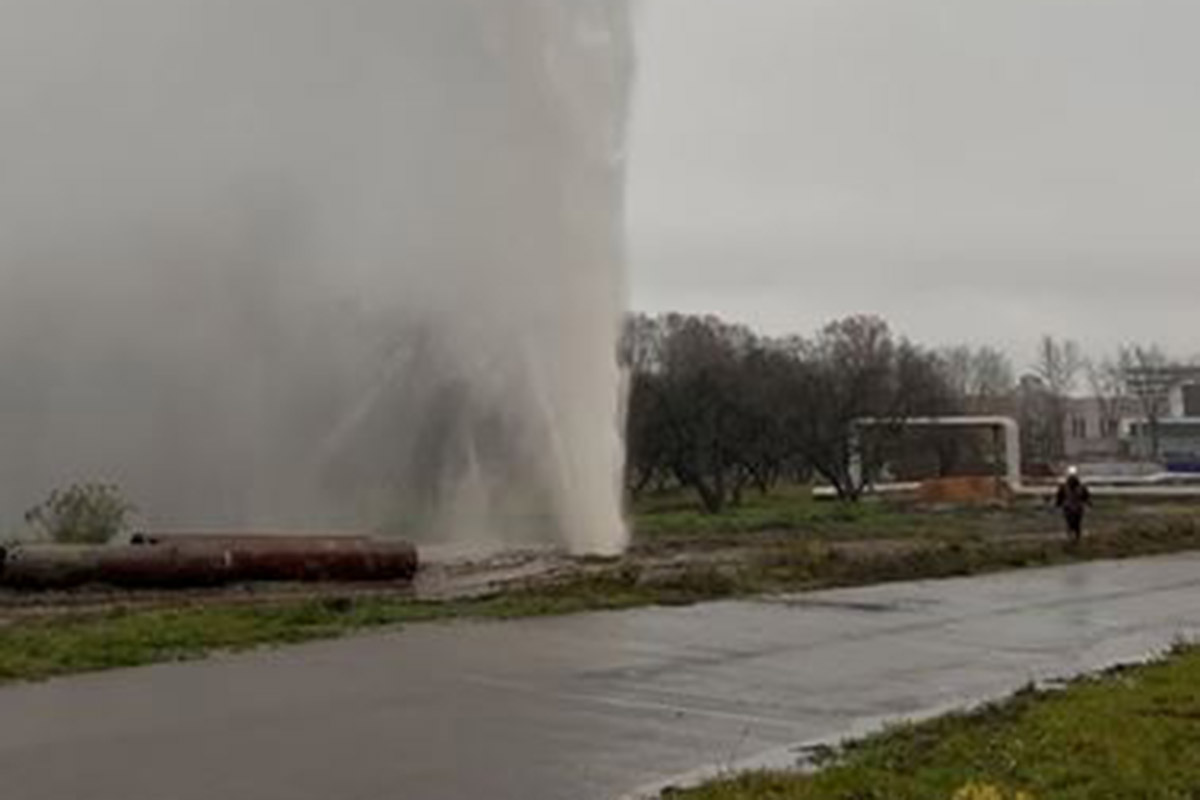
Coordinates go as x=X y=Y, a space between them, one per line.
x=316 y=262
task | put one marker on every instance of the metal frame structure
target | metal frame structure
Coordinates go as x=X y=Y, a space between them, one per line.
x=1006 y=427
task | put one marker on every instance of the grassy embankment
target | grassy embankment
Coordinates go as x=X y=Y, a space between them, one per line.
x=1131 y=733
x=781 y=544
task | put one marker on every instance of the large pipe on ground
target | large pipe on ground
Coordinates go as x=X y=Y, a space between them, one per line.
x=189 y=565
x=237 y=539
x=319 y=560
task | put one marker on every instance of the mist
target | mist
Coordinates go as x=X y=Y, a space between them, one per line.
x=312 y=264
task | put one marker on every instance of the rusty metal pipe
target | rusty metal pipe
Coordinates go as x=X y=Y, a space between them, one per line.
x=48 y=567
x=320 y=560
x=237 y=539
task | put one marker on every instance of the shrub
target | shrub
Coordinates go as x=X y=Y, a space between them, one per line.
x=86 y=513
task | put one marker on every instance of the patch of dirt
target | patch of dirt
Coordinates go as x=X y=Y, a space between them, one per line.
x=455 y=578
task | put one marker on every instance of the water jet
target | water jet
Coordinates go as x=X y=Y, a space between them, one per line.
x=301 y=263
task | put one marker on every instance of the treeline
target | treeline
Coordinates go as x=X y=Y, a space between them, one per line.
x=718 y=409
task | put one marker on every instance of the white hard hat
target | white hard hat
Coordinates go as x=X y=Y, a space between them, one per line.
x=1073 y=472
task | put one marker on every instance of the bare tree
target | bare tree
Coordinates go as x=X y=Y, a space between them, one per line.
x=1142 y=369
x=717 y=409
x=855 y=369
x=689 y=413
x=640 y=353
x=956 y=364
x=980 y=376
x=1059 y=364
x=994 y=375
x=1041 y=429
x=1110 y=390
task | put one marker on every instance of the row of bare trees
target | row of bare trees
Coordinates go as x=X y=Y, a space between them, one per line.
x=719 y=409
x=1127 y=382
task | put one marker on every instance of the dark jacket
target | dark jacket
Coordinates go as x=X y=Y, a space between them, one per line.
x=1073 y=496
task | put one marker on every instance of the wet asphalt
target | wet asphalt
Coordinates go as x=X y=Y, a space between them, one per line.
x=590 y=707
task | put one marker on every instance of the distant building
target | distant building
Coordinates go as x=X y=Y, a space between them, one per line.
x=1110 y=433
x=1171 y=435
x=1093 y=428
x=1158 y=421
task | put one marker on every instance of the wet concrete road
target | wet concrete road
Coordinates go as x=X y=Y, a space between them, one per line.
x=580 y=708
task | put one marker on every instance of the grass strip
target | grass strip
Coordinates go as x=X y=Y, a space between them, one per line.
x=1130 y=733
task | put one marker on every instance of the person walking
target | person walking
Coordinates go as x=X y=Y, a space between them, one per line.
x=1074 y=498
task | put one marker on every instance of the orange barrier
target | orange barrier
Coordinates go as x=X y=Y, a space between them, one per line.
x=978 y=490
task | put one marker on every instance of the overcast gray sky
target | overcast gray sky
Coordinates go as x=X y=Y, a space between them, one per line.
x=984 y=170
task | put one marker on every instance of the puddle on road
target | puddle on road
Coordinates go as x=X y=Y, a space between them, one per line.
x=857 y=606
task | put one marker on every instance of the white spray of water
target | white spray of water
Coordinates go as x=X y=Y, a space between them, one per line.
x=316 y=262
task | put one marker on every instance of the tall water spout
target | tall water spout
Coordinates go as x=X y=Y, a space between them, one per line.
x=316 y=262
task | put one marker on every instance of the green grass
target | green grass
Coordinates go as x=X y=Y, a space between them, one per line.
x=677 y=515
x=675 y=518
x=1131 y=733
x=824 y=564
